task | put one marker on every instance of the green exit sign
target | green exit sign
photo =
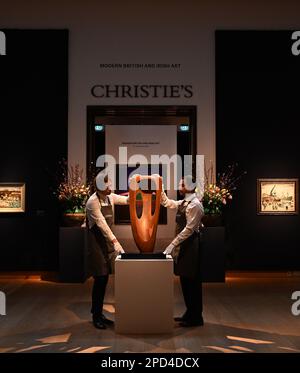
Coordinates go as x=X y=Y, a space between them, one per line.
x=99 y=127
x=184 y=128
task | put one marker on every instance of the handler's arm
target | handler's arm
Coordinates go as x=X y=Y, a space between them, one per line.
x=94 y=214
x=119 y=200
x=167 y=202
x=193 y=219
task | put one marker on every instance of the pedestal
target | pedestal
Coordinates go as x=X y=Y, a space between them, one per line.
x=144 y=296
x=213 y=254
x=72 y=254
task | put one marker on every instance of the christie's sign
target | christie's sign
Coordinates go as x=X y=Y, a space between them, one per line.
x=142 y=91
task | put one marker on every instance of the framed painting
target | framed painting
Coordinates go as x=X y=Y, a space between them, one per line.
x=12 y=197
x=277 y=196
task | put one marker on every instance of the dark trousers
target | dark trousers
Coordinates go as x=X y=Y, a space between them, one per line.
x=98 y=294
x=192 y=294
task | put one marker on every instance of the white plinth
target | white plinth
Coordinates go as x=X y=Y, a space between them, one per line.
x=144 y=296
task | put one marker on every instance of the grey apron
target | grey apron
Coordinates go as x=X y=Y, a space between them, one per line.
x=187 y=258
x=101 y=254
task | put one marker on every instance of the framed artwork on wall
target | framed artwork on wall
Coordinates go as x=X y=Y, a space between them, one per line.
x=12 y=197
x=277 y=196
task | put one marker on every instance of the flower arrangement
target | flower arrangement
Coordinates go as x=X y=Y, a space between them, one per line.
x=217 y=194
x=214 y=199
x=72 y=192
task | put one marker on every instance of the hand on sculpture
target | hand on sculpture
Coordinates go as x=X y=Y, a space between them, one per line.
x=134 y=182
x=118 y=248
x=156 y=177
x=169 y=249
x=163 y=196
x=137 y=177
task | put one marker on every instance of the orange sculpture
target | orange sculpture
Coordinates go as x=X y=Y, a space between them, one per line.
x=144 y=227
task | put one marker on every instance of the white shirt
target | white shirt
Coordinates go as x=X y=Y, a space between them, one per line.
x=193 y=214
x=95 y=216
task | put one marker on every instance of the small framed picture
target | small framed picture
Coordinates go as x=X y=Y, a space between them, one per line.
x=12 y=197
x=277 y=196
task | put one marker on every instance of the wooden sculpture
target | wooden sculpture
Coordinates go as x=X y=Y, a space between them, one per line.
x=144 y=227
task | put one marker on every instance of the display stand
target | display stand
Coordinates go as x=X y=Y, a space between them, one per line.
x=212 y=260
x=72 y=254
x=144 y=296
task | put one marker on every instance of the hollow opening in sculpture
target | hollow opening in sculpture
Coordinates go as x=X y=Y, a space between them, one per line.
x=144 y=211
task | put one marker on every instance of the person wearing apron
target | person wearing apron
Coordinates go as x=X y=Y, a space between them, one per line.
x=185 y=250
x=103 y=246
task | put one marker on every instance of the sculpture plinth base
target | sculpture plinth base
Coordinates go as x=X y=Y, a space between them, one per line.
x=144 y=296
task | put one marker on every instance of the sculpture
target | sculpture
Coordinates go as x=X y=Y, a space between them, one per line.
x=144 y=227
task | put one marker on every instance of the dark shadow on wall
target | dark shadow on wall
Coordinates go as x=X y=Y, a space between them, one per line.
x=257 y=119
x=34 y=110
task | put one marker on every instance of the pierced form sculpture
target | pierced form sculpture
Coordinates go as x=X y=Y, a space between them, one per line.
x=144 y=224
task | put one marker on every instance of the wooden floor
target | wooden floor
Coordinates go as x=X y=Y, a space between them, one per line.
x=249 y=314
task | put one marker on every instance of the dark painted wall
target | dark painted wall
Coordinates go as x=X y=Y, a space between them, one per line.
x=33 y=138
x=257 y=114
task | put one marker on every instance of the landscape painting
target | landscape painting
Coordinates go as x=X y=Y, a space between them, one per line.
x=12 y=197
x=277 y=196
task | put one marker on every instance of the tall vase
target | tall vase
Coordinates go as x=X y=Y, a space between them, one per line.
x=73 y=219
x=144 y=227
x=212 y=220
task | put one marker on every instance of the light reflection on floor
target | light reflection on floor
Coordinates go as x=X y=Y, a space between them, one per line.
x=248 y=340
x=56 y=338
x=241 y=316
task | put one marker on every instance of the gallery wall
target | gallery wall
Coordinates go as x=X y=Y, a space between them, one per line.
x=33 y=135
x=257 y=112
x=147 y=31
x=169 y=31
